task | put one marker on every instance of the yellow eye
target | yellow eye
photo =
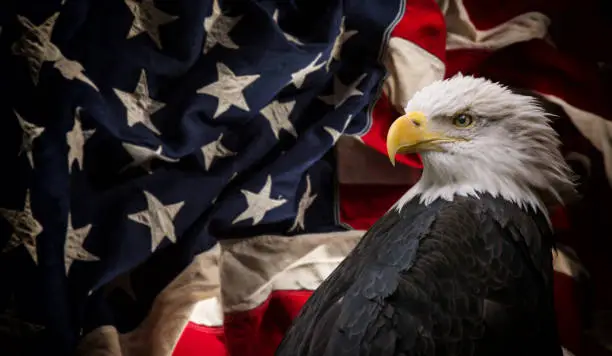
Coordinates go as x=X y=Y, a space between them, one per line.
x=463 y=120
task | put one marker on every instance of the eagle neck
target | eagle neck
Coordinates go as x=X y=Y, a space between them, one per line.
x=435 y=184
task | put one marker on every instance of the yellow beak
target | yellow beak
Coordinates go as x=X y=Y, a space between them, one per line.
x=409 y=134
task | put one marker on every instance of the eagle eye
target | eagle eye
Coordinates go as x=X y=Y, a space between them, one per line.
x=463 y=120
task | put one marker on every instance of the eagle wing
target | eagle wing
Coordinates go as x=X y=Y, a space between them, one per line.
x=471 y=277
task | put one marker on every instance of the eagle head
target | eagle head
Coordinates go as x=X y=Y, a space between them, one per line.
x=477 y=136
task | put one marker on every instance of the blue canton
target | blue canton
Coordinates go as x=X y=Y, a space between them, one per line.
x=137 y=134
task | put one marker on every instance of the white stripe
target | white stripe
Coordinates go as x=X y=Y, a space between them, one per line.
x=567 y=352
x=159 y=332
x=253 y=268
x=462 y=34
x=566 y=261
x=595 y=128
x=412 y=68
x=208 y=312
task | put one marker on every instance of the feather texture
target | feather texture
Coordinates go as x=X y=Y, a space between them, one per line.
x=468 y=277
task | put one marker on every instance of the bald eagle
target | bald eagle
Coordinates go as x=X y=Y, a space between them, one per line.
x=462 y=263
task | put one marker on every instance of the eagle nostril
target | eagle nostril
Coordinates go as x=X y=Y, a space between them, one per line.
x=416 y=123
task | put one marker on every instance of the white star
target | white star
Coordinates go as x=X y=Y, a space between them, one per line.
x=277 y=114
x=258 y=204
x=35 y=44
x=30 y=133
x=305 y=203
x=342 y=92
x=358 y=138
x=299 y=76
x=139 y=105
x=76 y=139
x=217 y=27
x=159 y=218
x=334 y=133
x=143 y=156
x=228 y=89
x=342 y=37
x=147 y=18
x=289 y=37
x=213 y=150
x=73 y=70
x=73 y=249
x=25 y=228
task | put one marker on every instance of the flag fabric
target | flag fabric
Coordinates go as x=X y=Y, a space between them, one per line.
x=182 y=174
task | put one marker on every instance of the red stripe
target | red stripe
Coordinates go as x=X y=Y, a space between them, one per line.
x=197 y=340
x=255 y=332
x=361 y=205
x=491 y=13
x=568 y=299
x=382 y=117
x=465 y=61
x=577 y=29
x=422 y=24
x=258 y=332
x=538 y=66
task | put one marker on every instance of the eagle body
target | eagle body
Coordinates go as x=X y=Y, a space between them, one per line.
x=472 y=276
x=461 y=265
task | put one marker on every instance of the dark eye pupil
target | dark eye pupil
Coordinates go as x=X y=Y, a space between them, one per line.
x=462 y=120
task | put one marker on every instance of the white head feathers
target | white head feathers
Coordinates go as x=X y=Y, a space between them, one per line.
x=510 y=150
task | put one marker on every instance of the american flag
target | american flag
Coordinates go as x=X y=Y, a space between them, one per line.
x=182 y=174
